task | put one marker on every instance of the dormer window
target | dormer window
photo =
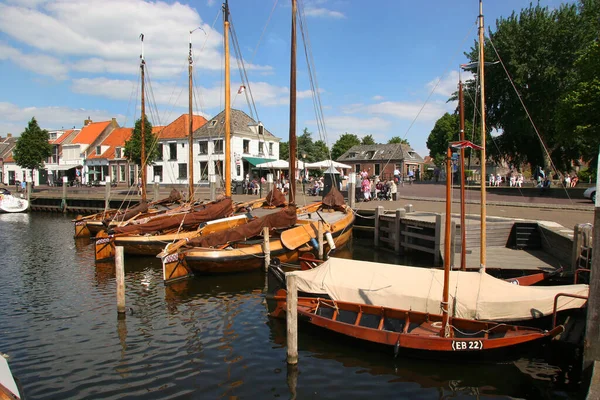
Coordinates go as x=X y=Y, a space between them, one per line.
x=352 y=155
x=411 y=154
x=213 y=123
x=261 y=129
x=370 y=154
x=117 y=153
x=98 y=150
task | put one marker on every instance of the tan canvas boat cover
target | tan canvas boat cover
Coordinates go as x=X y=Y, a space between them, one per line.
x=334 y=198
x=473 y=295
x=275 y=198
x=189 y=220
x=279 y=220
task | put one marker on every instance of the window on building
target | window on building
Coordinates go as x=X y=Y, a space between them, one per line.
x=113 y=174
x=357 y=168
x=351 y=155
x=261 y=146
x=377 y=169
x=411 y=154
x=219 y=168
x=121 y=173
x=203 y=170
x=203 y=145
x=172 y=151
x=370 y=154
x=246 y=146
x=270 y=149
x=98 y=150
x=213 y=123
x=218 y=145
x=157 y=171
x=238 y=169
x=183 y=170
x=159 y=149
x=261 y=129
x=118 y=152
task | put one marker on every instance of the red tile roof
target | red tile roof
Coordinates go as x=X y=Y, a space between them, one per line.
x=90 y=132
x=178 y=129
x=116 y=138
x=63 y=137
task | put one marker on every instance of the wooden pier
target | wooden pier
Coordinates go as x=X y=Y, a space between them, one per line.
x=512 y=244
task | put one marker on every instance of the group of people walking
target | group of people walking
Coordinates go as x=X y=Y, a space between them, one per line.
x=376 y=189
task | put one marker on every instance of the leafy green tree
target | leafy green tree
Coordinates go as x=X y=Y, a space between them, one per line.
x=368 y=140
x=133 y=146
x=32 y=147
x=284 y=151
x=321 y=151
x=539 y=47
x=446 y=129
x=579 y=109
x=398 y=140
x=343 y=144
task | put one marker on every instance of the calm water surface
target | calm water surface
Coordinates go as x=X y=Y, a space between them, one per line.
x=203 y=338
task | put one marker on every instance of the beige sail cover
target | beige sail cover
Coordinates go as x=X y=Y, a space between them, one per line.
x=473 y=295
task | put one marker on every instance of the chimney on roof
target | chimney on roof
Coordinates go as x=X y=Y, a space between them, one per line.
x=114 y=122
x=87 y=121
x=8 y=135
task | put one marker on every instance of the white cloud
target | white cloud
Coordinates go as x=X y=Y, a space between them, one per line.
x=39 y=63
x=377 y=98
x=402 y=110
x=211 y=3
x=103 y=37
x=14 y=119
x=323 y=12
x=448 y=84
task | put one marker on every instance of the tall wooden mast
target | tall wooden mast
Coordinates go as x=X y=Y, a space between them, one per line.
x=445 y=332
x=292 y=138
x=482 y=259
x=227 y=101
x=463 y=231
x=143 y=124
x=190 y=127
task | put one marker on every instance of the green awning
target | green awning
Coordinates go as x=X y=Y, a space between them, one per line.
x=254 y=161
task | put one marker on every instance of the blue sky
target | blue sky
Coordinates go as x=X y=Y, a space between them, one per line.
x=377 y=63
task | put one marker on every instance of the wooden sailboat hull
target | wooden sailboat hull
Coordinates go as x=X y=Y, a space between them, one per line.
x=248 y=256
x=404 y=329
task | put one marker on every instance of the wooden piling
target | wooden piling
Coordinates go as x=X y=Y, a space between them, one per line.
x=292 y=320
x=120 y=273
x=107 y=194
x=400 y=213
x=378 y=213
x=63 y=204
x=591 y=343
x=266 y=247
x=156 y=190
x=321 y=233
x=213 y=188
x=352 y=190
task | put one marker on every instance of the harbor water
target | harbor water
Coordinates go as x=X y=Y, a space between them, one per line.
x=206 y=338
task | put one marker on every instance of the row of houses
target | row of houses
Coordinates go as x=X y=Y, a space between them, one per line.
x=95 y=152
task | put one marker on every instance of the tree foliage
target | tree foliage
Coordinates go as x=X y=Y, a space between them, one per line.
x=133 y=146
x=367 y=140
x=313 y=151
x=539 y=47
x=398 y=140
x=446 y=130
x=32 y=147
x=343 y=144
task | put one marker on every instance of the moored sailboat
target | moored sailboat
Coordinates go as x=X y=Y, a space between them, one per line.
x=425 y=309
x=241 y=249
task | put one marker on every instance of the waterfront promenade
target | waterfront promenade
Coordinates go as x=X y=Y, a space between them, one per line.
x=567 y=208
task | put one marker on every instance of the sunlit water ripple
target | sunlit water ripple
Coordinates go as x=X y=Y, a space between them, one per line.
x=203 y=338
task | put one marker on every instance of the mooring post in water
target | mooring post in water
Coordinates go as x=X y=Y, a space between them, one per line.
x=292 y=320
x=266 y=247
x=269 y=183
x=107 y=193
x=378 y=214
x=63 y=204
x=156 y=188
x=591 y=343
x=213 y=189
x=120 y=272
x=321 y=232
x=400 y=213
x=352 y=190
